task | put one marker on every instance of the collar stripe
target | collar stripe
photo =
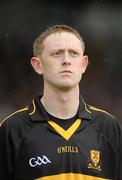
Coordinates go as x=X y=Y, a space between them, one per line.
x=34 y=108
x=86 y=108
x=66 y=134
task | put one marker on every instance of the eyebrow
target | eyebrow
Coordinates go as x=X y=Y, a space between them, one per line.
x=62 y=49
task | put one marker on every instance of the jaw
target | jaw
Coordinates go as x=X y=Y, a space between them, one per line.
x=66 y=85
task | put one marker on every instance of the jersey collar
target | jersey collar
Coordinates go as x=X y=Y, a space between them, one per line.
x=37 y=112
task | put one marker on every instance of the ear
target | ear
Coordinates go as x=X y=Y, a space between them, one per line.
x=84 y=63
x=36 y=64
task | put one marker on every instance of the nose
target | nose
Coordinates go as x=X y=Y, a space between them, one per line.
x=66 y=59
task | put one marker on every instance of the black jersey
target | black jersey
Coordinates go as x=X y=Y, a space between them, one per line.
x=33 y=147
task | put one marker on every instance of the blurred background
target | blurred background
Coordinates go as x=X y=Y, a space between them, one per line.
x=99 y=23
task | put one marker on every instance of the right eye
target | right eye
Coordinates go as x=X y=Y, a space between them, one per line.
x=57 y=53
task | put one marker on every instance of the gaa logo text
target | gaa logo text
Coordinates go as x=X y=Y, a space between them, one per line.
x=38 y=161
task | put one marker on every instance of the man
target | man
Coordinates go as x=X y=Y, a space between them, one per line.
x=59 y=136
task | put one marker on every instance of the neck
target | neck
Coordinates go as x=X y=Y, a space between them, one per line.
x=61 y=104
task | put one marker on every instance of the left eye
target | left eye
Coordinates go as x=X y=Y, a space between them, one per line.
x=73 y=53
x=57 y=53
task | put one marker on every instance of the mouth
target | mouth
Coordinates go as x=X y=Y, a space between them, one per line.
x=66 y=72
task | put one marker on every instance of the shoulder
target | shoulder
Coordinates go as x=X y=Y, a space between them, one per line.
x=99 y=111
x=103 y=121
x=106 y=124
x=15 y=117
x=16 y=126
x=101 y=115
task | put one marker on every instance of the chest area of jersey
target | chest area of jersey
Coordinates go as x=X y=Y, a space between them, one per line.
x=45 y=151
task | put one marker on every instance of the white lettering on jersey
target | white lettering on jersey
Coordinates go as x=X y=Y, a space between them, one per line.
x=38 y=161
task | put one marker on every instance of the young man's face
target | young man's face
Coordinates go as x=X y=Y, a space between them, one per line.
x=62 y=60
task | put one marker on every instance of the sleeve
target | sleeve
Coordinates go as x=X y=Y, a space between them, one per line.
x=6 y=158
x=120 y=155
x=112 y=130
x=115 y=134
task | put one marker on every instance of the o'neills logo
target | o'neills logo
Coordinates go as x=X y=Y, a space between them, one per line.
x=67 y=149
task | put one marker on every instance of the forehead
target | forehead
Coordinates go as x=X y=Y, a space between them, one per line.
x=62 y=40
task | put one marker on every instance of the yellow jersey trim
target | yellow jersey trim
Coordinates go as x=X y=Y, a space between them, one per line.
x=24 y=109
x=71 y=176
x=34 y=108
x=97 y=109
x=87 y=108
x=66 y=134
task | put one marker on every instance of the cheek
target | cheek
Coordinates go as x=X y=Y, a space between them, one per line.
x=81 y=67
x=78 y=67
x=48 y=69
x=46 y=66
x=79 y=70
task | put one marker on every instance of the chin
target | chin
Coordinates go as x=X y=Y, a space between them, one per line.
x=67 y=87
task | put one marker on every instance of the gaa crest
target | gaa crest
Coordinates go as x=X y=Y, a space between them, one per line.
x=94 y=162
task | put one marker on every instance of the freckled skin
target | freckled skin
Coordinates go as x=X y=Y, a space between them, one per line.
x=62 y=61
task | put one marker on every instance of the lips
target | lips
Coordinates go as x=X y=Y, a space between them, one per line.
x=66 y=71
